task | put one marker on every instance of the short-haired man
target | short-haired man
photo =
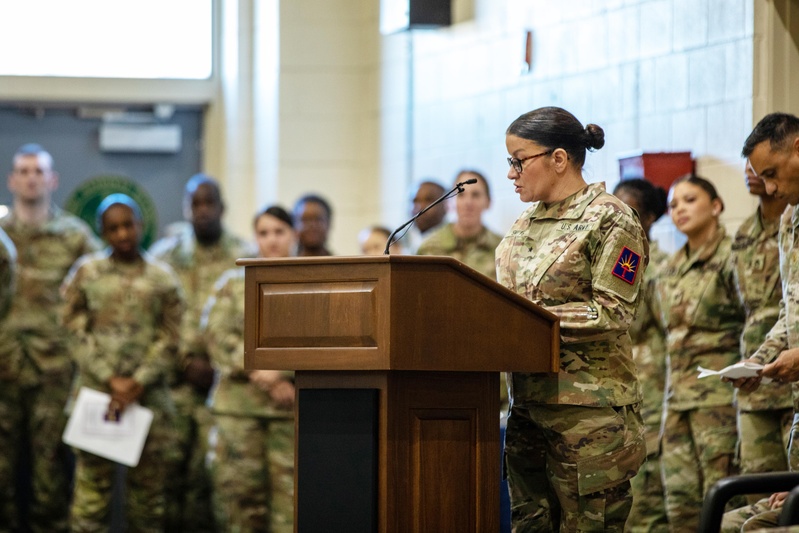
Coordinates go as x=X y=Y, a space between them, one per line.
x=36 y=385
x=773 y=153
x=198 y=255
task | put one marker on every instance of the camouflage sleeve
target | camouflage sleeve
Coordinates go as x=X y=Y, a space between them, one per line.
x=776 y=340
x=8 y=266
x=223 y=321
x=162 y=353
x=616 y=279
x=76 y=320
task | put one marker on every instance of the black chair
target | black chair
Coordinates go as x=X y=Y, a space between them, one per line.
x=720 y=493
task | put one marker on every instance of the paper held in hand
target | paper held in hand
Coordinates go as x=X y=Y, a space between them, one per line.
x=121 y=441
x=744 y=369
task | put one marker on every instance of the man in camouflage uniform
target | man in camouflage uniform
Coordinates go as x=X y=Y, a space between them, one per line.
x=198 y=255
x=764 y=418
x=253 y=410
x=772 y=150
x=9 y=353
x=124 y=309
x=36 y=385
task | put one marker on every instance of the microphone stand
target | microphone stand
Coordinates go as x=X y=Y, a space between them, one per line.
x=455 y=191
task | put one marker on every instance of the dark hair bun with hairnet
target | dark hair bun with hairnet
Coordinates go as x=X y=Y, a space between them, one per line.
x=594 y=137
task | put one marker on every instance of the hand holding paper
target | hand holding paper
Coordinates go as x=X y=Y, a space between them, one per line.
x=744 y=369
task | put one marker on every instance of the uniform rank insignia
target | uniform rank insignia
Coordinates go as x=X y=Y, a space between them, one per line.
x=626 y=267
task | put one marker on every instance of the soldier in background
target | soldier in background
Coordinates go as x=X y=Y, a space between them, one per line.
x=253 y=467
x=772 y=150
x=648 y=513
x=37 y=386
x=125 y=310
x=427 y=192
x=467 y=239
x=198 y=255
x=701 y=312
x=312 y=216
x=764 y=416
x=9 y=358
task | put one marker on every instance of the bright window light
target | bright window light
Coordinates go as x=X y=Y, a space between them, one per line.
x=151 y=39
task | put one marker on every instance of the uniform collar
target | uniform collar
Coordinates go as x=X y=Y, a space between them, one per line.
x=571 y=207
x=706 y=251
x=53 y=213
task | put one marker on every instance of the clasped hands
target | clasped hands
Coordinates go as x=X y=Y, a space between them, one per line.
x=124 y=391
x=272 y=382
x=784 y=369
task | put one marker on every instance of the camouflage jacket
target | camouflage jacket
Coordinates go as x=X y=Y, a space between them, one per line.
x=755 y=262
x=476 y=252
x=649 y=348
x=198 y=267
x=785 y=332
x=582 y=259
x=223 y=322
x=8 y=273
x=44 y=256
x=126 y=318
x=703 y=319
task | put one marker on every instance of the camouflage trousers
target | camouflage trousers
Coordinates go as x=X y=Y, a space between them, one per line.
x=32 y=420
x=189 y=500
x=763 y=438
x=569 y=466
x=253 y=474
x=648 y=514
x=750 y=517
x=698 y=450
x=145 y=495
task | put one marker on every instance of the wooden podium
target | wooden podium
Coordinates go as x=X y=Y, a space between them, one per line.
x=397 y=361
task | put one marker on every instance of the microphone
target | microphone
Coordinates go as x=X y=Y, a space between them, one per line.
x=455 y=191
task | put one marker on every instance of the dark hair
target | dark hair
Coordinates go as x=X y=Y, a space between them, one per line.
x=702 y=183
x=776 y=128
x=380 y=229
x=477 y=175
x=277 y=212
x=201 y=179
x=315 y=198
x=112 y=200
x=650 y=197
x=554 y=127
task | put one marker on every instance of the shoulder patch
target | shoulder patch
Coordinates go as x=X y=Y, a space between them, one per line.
x=626 y=267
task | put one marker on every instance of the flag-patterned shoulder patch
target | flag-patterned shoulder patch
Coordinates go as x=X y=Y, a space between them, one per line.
x=626 y=267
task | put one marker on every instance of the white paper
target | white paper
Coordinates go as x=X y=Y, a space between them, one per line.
x=744 y=369
x=121 y=441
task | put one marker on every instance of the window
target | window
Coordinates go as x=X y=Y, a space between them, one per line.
x=145 y=39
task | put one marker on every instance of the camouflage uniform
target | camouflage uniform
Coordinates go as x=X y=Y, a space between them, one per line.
x=477 y=252
x=126 y=317
x=783 y=335
x=197 y=267
x=575 y=438
x=764 y=416
x=9 y=353
x=253 y=468
x=35 y=383
x=648 y=513
x=703 y=319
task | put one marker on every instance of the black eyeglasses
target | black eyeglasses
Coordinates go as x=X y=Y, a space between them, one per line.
x=517 y=163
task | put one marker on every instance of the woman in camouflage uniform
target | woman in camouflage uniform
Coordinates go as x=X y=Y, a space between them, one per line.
x=253 y=470
x=701 y=312
x=649 y=353
x=575 y=438
x=125 y=309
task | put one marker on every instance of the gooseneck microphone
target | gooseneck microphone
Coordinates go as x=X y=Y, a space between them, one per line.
x=455 y=191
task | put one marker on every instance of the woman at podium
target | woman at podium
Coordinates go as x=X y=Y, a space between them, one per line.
x=575 y=438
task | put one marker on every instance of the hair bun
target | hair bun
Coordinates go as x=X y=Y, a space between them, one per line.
x=594 y=137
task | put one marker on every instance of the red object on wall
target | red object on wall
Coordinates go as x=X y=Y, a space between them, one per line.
x=660 y=168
